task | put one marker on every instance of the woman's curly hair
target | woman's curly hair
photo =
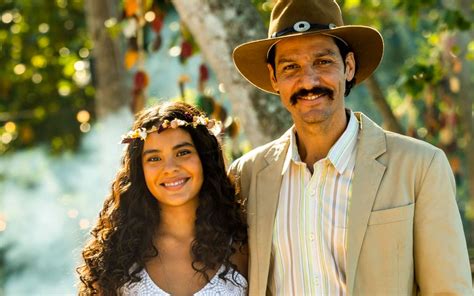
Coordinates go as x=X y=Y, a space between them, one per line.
x=122 y=240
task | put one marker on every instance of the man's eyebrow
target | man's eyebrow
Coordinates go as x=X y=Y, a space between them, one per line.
x=318 y=54
x=285 y=60
x=178 y=146
x=325 y=53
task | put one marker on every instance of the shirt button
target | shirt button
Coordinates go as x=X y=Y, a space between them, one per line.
x=311 y=236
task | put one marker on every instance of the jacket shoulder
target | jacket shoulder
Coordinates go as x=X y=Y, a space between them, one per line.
x=409 y=146
x=259 y=153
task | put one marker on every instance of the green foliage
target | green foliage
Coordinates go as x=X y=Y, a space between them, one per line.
x=45 y=76
x=264 y=7
x=425 y=54
x=417 y=76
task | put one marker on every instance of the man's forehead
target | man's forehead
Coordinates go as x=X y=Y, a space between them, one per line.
x=320 y=45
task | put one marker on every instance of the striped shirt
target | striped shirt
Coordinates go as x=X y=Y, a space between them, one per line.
x=309 y=236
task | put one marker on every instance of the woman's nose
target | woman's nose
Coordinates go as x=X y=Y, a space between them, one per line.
x=171 y=165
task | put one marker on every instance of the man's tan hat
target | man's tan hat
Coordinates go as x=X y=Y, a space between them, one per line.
x=292 y=18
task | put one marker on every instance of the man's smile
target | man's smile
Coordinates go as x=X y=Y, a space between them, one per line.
x=311 y=95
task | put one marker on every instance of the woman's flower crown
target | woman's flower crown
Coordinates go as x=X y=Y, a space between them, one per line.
x=214 y=127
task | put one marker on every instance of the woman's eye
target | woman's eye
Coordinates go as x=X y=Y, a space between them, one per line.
x=183 y=152
x=153 y=159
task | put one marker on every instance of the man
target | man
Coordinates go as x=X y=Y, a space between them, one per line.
x=337 y=205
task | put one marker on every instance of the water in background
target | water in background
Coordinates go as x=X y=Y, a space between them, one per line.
x=49 y=203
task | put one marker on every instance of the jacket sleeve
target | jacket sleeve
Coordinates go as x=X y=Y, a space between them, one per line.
x=440 y=252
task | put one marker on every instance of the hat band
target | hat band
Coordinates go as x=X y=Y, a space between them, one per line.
x=302 y=26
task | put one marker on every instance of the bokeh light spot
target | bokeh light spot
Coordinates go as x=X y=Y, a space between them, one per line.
x=83 y=116
x=84 y=53
x=85 y=127
x=84 y=223
x=72 y=213
x=19 y=69
x=79 y=66
x=10 y=127
x=64 y=51
x=174 y=51
x=39 y=61
x=7 y=17
x=15 y=29
x=43 y=28
x=6 y=138
x=150 y=16
x=36 y=78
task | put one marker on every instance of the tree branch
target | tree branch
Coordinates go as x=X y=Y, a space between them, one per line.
x=382 y=104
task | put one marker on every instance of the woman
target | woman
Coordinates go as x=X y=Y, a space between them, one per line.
x=171 y=224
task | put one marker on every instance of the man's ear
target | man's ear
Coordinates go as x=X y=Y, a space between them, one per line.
x=273 y=80
x=350 y=66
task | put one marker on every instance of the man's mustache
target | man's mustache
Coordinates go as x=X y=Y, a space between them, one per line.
x=317 y=90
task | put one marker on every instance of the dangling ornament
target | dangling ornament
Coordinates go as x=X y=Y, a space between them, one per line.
x=186 y=51
x=131 y=7
x=131 y=58
x=140 y=80
x=130 y=28
x=203 y=73
x=205 y=103
x=203 y=77
x=157 y=23
x=156 y=45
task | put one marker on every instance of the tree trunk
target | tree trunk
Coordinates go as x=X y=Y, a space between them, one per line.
x=218 y=26
x=389 y=118
x=111 y=91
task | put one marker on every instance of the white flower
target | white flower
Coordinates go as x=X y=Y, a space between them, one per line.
x=216 y=129
x=142 y=133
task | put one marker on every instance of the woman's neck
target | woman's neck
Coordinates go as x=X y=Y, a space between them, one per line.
x=177 y=222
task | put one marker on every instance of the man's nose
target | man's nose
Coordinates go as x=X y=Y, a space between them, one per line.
x=309 y=77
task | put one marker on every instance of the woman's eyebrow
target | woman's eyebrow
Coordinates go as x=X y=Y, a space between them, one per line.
x=178 y=146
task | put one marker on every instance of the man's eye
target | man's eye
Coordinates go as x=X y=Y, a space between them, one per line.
x=183 y=152
x=324 y=62
x=290 y=67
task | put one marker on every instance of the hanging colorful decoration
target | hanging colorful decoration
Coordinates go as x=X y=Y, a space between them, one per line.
x=146 y=17
x=138 y=15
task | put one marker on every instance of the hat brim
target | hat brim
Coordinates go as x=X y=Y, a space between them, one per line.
x=367 y=44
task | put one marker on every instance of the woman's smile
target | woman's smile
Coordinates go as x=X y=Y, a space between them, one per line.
x=175 y=185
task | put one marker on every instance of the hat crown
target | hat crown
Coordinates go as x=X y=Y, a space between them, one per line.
x=287 y=13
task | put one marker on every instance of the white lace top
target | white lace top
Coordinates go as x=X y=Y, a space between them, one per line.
x=216 y=286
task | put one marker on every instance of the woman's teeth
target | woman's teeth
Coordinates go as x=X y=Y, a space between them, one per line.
x=176 y=183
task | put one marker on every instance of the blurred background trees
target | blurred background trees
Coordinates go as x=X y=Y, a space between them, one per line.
x=67 y=64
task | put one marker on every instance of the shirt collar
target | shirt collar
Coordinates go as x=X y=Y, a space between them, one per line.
x=339 y=154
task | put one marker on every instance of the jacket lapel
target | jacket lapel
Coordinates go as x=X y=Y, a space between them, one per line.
x=368 y=173
x=268 y=191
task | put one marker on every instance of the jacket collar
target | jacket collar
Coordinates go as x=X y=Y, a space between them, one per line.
x=368 y=174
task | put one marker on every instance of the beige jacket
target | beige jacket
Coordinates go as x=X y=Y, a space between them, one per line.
x=405 y=234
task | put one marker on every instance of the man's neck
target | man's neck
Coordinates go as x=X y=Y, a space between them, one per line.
x=314 y=141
